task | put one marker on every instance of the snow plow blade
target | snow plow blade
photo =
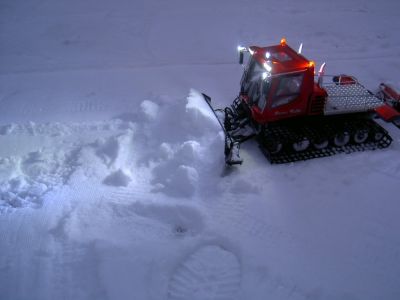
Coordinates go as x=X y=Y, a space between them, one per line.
x=232 y=147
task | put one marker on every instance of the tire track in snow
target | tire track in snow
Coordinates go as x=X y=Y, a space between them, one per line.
x=50 y=156
x=136 y=67
x=234 y=213
x=210 y=273
x=84 y=106
x=153 y=219
x=77 y=265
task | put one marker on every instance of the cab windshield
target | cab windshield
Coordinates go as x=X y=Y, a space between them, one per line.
x=256 y=85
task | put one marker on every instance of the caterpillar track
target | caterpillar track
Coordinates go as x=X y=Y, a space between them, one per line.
x=321 y=138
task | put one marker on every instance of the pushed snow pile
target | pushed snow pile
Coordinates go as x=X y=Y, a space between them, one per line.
x=181 y=140
x=25 y=179
x=150 y=109
x=167 y=145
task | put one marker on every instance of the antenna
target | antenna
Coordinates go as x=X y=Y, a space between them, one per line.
x=300 y=48
x=321 y=73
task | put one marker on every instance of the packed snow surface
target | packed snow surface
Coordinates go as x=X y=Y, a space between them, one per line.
x=112 y=176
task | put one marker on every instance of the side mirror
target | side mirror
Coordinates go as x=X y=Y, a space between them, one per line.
x=241 y=57
x=241 y=50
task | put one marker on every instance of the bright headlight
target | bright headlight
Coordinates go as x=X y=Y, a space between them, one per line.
x=267 y=67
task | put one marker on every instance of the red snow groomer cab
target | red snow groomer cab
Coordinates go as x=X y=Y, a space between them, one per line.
x=296 y=114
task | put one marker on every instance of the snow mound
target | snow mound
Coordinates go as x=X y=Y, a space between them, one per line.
x=114 y=150
x=199 y=113
x=150 y=109
x=176 y=175
x=181 y=140
x=175 y=141
x=54 y=153
x=25 y=179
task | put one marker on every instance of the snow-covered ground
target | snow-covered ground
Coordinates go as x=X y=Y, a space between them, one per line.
x=112 y=176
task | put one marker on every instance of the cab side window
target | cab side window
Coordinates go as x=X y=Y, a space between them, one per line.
x=288 y=89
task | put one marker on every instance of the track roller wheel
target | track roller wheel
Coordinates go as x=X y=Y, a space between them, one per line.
x=321 y=143
x=378 y=135
x=273 y=145
x=341 y=139
x=360 y=136
x=301 y=145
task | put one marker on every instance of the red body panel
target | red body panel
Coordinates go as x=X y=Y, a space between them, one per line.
x=317 y=101
x=344 y=79
x=387 y=113
x=389 y=93
x=297 y=107
x=280 y=55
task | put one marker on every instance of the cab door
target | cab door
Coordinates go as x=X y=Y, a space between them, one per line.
x=288 y=98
